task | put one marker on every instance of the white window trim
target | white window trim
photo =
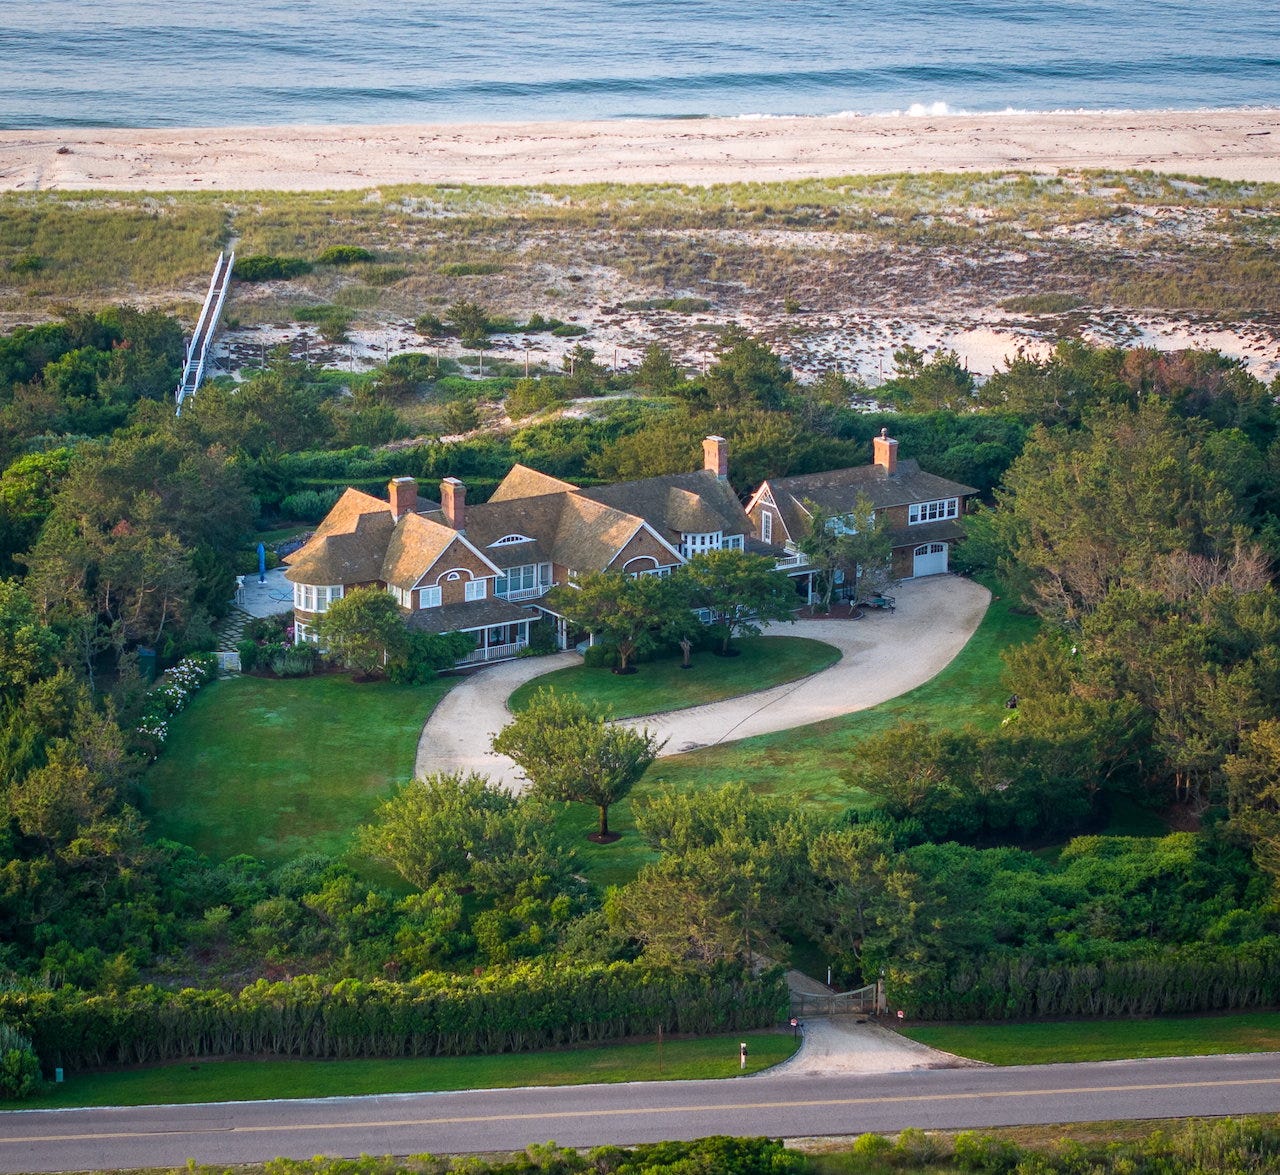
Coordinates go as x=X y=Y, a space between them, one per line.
x=699 y=543
x=510 y=540
x=766 y=526
x=937 y=511
x=313 y=598
x=431 y=597
x=476 y=589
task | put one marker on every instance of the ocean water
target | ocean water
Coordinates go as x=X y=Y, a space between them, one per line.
x=256 y=62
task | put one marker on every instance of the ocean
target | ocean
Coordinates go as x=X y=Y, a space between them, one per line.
x=156 y=63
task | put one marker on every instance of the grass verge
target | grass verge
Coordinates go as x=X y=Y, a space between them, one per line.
x=1104 y=1040
x=278 y=768
x=662 y=685
x=224 y=1081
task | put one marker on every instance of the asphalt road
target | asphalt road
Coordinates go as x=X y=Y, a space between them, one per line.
x=63 y=1140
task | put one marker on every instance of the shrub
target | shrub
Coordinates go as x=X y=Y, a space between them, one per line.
x=600 y=656
x=427 y=654
x=262 y=267
x=1042 y=303
x=19 y=1065
x=248 y=651
x=470 y=268
x=26 y=263
x=294 y=661
x=344 y=255
x=310 y=505
x=568 y=330
x=430 y=326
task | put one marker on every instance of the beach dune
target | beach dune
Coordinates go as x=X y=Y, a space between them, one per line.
x=1233 y=144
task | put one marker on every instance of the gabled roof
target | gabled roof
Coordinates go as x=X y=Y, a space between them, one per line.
x=538 y=517
x=836 y=491
x=590 y=533
x=348 y=546
x=523 y=482
x=678 y=503
x=415 y=544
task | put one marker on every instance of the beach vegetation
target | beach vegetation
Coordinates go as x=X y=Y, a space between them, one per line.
x=344 y=255
x=262 y=267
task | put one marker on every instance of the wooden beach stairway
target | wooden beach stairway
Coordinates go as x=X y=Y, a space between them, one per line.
x=206 y=327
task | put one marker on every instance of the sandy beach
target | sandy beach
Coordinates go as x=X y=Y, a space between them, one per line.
x=1236 y=144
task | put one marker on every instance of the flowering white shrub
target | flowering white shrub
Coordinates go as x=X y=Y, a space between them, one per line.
x=172 y=693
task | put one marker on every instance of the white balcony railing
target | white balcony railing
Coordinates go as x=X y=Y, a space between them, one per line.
x=796 y=560
x=493 y=653
x=525 y=593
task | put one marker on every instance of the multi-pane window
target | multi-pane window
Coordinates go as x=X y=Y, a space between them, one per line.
x=933 y=511
x=517 y=579
x=696 y=544
x=733 y=542
x=766 y=526
x=476 y=589
x=430 y=597
x=310 y=598
x=404 y=596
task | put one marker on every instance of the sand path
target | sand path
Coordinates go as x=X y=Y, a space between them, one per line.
x=883 y=655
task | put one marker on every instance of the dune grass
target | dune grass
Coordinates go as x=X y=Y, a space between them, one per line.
x=278 y=768
x=662 y=685
x=224 y=1081
x=1104 y=1040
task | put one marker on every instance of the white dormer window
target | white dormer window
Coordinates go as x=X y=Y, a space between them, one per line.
x=510 y=540
x=476 y=589
x=431 y=597
x=696 y=544
x=933 y=511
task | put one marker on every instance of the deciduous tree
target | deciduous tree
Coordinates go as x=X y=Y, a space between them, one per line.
x=740 y=590
x=570 y=751
x=363 y=630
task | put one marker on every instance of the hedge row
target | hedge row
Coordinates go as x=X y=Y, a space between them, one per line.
x=532 y=1006
x=1195 y=979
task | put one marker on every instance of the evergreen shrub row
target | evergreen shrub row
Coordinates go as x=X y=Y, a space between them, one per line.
x=531 y=1006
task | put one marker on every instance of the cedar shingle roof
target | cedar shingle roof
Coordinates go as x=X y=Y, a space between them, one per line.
x=415 y=544
x=523 y=482
x=580 y=529
x=697 y=502
x=836 y=491
x=348 y=546
x=461 y=617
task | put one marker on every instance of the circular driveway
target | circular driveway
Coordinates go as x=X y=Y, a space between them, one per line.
x=883 y=655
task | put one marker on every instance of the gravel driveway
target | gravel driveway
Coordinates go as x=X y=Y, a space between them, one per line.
x=882 y=655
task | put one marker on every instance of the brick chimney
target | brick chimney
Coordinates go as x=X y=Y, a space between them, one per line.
x=403 y=492
x=453 y=503
x=715 y=457
x=885 y=450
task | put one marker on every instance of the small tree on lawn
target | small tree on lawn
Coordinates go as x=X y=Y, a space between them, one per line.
x=741 y=591
x=630 y=613
x=570 y=751
x=363 y=631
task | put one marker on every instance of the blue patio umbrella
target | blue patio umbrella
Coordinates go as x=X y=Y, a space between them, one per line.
x=262 y=564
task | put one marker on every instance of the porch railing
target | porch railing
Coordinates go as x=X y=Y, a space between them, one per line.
x=493 y=653
x=796 y=560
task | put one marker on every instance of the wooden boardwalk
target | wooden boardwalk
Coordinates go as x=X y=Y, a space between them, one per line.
x=206 y=327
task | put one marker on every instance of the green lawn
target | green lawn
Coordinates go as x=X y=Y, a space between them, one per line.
x=1104 y=1040
x=662 y=685
x=805 y=764
x=223 y=1081
x=278 y=768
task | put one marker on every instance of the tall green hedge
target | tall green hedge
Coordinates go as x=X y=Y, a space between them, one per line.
x=526 y=1007
x=1192 y=979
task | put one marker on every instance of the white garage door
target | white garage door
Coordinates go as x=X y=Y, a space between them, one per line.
x=930 y=559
